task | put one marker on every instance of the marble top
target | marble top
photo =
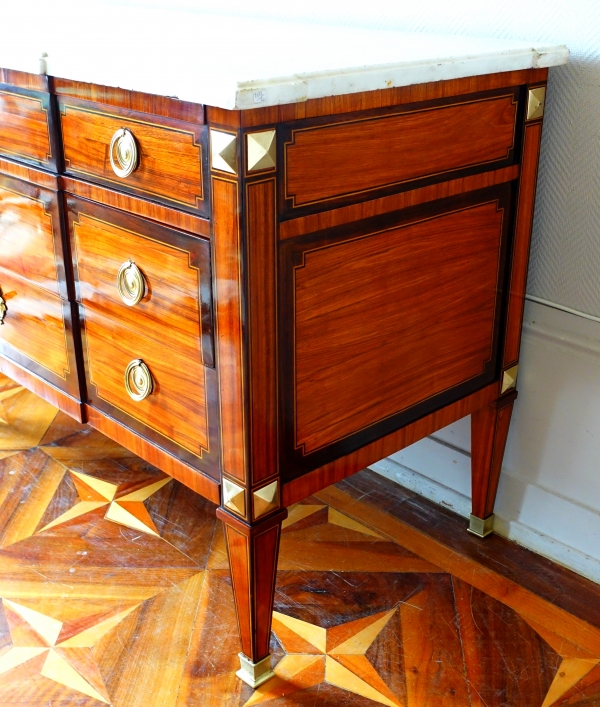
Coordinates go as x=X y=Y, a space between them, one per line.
x=234 y=62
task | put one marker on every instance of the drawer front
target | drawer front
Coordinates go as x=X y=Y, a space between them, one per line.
x=330 y=162
x=175 y=309
x=30 y=235
x=176 y=410
x=388 y=320
x=36 y=332
x=171 y=154
x=25 y=126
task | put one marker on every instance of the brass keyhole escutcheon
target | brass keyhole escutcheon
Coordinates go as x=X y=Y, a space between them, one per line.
x=3 y=309
x=138 y=380
x=131 y=283
x=123 y=153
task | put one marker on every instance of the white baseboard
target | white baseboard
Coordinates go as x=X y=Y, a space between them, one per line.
x=549 y=493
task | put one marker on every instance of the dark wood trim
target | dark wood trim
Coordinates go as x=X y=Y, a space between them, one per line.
x=165 y=106
x=293 y=462
x=170 y=464
x=520 y=255
x=134 y=205
x=314 y=481
x=52 y=395
x=285 y=137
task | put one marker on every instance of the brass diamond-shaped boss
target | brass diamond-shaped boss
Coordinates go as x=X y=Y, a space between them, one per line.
x=234 y=497
x=223 y=150
x=509 y=379
x=535 y=104
x=261 y=150
x=265 y=499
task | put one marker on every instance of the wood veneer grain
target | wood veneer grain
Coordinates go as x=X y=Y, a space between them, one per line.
x=367 y=209
x=177 y=409
x=229 y=301
x=22 y=79
x=360 y=357
x=131 y=100
x=25 y=131
x=133 y=205
x=326 y=161
x=172 y=153
x=175 y=267
x=29 y=174
x=520 y=257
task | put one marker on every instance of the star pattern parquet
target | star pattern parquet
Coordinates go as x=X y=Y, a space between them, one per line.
x=115 y=590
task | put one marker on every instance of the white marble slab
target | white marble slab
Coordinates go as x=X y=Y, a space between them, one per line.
x=238 y=62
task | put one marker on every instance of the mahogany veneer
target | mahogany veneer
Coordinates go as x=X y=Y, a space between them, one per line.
x=302 y=315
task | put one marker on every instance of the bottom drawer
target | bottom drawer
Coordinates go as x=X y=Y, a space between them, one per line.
x=36 y=332
x=174 y=413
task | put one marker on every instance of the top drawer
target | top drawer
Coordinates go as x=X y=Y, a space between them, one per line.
x=25 y=126
x=158 y=158
x=332 y=161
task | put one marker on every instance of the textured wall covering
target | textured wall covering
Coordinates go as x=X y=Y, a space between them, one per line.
x=565 y=263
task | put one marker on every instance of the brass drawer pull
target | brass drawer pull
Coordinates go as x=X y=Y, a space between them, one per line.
x=3 y=309
x=124 y=147
x=131 y=283
x=138 y=380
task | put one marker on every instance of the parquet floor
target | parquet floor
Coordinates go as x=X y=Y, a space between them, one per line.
x=114 y=589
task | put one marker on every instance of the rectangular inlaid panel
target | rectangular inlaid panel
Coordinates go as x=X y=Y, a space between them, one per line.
x=171 y=152
x=395 y=314
x=175 y=309
x=177 y=407
x=25 y=126
x=36 y=332
x=337 y=159
x=30 y=234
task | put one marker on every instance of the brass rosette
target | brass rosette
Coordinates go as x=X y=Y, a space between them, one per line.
x=138 y=380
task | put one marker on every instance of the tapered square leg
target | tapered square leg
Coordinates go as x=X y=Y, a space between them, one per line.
x=253 y=551
x=489 y=431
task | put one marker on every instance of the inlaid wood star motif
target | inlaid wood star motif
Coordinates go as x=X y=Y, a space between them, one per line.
x=57 y=650
x=335 y=655
x=24 y=418
x=124 y=502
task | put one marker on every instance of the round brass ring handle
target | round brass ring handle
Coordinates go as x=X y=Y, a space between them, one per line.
x=3 y=309
x=138 y=380
x=131 y=283
x=124 y=147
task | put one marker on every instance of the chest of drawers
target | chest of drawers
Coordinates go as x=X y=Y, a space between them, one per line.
x=262 y=302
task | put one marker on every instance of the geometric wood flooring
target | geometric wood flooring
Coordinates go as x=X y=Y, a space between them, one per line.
x=115 y=589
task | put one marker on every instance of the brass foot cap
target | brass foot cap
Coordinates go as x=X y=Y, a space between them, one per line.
x=481 y=526
x=255 y=674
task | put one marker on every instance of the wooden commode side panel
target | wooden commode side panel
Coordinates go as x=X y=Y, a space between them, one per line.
x=175 y=309
x=331 y=160
x=25 y=126
x=390 y=315
x=172 y=153
x=30 y=234
x=36 y=332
